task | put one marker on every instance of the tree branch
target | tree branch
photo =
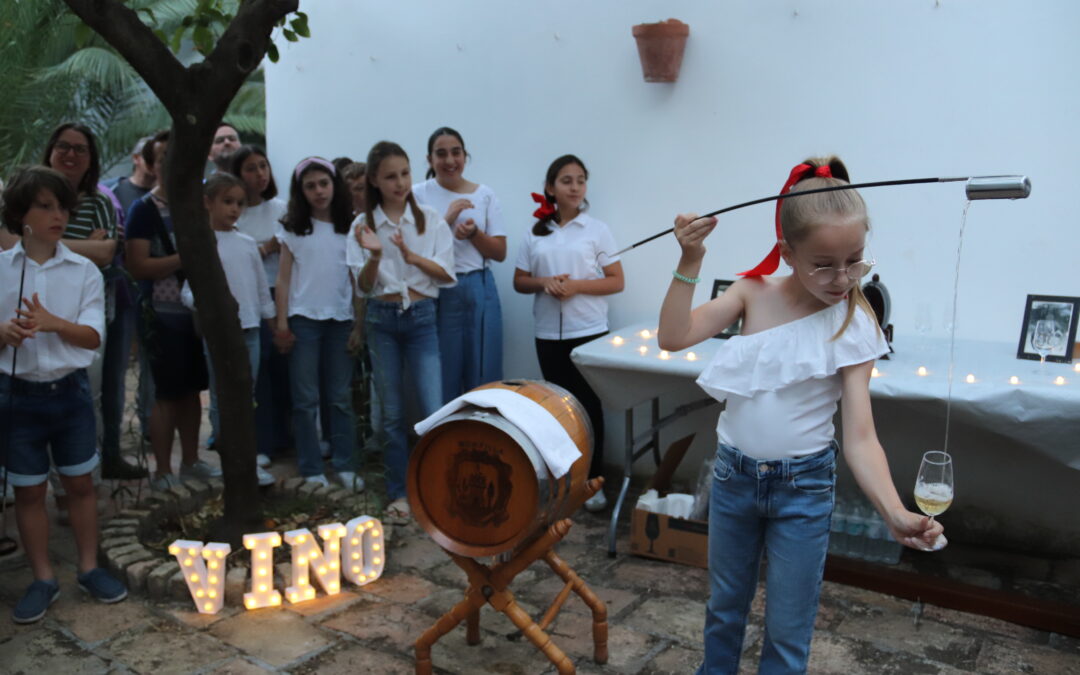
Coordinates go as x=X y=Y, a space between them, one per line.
x=241 y=48
x=136 y=42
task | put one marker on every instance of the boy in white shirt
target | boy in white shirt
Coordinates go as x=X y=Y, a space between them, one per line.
x=51 y=315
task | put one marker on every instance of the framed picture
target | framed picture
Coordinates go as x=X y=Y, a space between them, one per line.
x=718 y=287
x=1049 y=328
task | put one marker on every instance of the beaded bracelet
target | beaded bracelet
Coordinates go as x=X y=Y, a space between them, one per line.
x=685 y=279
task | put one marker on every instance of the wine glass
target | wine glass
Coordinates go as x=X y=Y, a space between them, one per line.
x=934 y=486
x=1046 y=338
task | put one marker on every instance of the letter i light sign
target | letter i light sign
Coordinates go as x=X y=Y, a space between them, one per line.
x=355 y=550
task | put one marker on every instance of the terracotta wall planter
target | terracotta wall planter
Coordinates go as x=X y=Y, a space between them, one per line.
x=660 y=46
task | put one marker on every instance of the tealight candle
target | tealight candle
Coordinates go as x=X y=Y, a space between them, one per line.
x=617 y=341
x=922 y=371
x=664 y=355
x=874 y=372
x=1059 y=380
x=970 y=379
x=643 y=350
x=691 y=356
x=645 y=334
x=1014 y=380
x=1076 y=367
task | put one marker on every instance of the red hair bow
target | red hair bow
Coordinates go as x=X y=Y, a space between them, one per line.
x=545 y=210
x=772 y=261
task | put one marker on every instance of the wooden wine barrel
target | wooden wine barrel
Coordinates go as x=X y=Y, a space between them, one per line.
x=479 y=486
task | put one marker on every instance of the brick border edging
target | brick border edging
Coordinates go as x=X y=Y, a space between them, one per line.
x=121 y=551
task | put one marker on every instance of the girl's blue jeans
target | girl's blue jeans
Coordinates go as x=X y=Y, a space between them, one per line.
x=399 y=340
x=782 y=507
x=320 y=355
x=470 y=333
x=251 y=340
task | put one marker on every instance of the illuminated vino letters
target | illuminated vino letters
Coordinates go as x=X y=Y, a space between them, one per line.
x=262 y=547
x=356 y=549
x=203 y=568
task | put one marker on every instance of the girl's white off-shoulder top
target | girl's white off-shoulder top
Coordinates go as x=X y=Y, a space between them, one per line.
x=782 y=384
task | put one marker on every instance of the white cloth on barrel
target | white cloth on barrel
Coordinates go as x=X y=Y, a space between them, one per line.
x=550 y=438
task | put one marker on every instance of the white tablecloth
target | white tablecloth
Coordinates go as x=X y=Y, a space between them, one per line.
x=1035 y=413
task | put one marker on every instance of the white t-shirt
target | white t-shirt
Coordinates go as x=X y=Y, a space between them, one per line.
x=782 y=384
x=261 y=223
x=581 y=248
x=319 y=288
x=246 y=277
x=70 y=287
x=435 y=244
x=486 y=213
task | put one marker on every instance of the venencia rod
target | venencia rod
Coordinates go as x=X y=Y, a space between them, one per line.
x=978 y=187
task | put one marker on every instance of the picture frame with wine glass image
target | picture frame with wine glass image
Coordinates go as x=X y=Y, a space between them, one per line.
x=718 y=287
x=1049 y=328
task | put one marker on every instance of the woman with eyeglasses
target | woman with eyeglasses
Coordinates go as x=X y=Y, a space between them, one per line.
x=93 y=232
x=809 y=340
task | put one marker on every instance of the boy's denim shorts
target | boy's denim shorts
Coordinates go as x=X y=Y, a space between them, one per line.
x=43 y=416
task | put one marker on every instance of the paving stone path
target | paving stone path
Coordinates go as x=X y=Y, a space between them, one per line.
x=655 y=622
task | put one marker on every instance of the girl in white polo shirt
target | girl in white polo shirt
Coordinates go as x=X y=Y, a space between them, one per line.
x=568 y=261
x=315 y=316
x=401 y=254
x=470 y=317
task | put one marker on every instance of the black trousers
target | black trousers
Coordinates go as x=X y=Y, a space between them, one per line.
x=556 y=366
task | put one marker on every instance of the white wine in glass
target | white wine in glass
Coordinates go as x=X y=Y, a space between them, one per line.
x=934 y=486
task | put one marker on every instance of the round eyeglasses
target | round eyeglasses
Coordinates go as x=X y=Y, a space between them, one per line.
x=855 y=271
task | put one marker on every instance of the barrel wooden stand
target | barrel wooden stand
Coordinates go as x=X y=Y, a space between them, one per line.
x=480 y=487
x=489 y=584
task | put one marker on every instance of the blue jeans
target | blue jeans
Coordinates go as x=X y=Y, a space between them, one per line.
x=470 y=333
x=273 y=408
x=397 y=338
x=784 y=507
x=320 y=355
x=251 y=339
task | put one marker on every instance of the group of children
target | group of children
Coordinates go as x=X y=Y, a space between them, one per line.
x=419 y=256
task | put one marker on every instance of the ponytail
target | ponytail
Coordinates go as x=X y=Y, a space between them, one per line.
x=856 y=298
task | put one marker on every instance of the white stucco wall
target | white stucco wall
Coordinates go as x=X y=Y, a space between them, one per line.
x=897 y=89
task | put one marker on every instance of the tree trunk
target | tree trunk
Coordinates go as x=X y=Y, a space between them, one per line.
x=197 y=98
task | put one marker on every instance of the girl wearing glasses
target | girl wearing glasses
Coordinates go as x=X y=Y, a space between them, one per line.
x=809 y=340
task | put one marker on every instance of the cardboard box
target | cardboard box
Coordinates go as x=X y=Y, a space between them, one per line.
x=655 y=535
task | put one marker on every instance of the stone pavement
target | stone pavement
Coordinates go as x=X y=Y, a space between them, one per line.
x=655 y=621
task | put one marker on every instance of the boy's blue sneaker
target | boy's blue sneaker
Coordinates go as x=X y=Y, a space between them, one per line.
x=35 y=602
x=102 y=586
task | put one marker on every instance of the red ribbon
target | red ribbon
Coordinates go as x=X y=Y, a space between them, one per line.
x=545 y=210
x=772 y=261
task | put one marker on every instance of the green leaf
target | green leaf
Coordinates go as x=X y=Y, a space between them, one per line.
x=289 y=35
x=300 y=25
x=83 y=34
x=203 y=39
x=272 y=52
x=177 y=38
x=149 y=14
x=161 y=35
